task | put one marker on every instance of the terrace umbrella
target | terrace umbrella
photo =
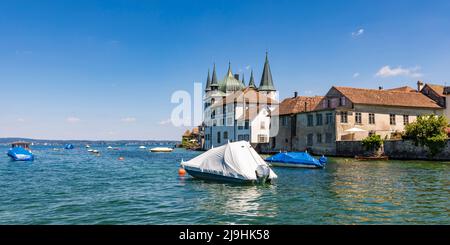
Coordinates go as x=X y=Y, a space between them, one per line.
x=354 y=130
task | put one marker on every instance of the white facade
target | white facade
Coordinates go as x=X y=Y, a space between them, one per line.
x=234 y=111
x=236 y=121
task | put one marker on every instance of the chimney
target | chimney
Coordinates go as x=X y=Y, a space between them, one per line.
x=306 y=106
x=295 y=94
x=380 y=87
x=236 y=76
x=419 y=86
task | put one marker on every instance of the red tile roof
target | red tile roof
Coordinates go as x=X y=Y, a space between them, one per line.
x=250 y=113
x=438 y=89
x=249 y=94
x=299 y=104
x=402 y=89
x=195 y=131
x=387 y=97
x=187 y=133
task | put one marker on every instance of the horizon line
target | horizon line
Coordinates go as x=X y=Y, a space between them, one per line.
x=3 y=138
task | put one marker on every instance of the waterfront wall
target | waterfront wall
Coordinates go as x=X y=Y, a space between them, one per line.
x=405 y=149
x=394 y=149
x=349 y=148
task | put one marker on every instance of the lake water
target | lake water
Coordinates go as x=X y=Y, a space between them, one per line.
x=76 y=187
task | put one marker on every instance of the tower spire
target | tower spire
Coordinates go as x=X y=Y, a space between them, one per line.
x=214 y=83
x=243 y=80
x=266 y=78
x=229 y=73
x=208 y=83
x=251 y=84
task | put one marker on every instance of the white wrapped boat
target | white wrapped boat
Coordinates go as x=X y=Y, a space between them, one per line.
x=161 y=149
x=233 y=162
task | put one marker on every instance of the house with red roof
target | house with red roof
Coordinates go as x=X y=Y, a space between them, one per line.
x=438 y=93
x=347 y=113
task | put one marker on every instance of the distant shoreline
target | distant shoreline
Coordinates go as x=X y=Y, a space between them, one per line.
x=12 y=139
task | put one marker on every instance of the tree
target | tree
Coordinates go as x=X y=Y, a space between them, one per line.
x=372 y=143
x=428 y=131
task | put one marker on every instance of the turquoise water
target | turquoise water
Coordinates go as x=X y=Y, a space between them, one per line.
x=76 y=187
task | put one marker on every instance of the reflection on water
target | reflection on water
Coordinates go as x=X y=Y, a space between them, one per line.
x=235 y=200
x=388 y=192
x=75 y=187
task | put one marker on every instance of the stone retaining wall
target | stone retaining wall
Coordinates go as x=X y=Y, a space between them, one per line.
x=394 y=149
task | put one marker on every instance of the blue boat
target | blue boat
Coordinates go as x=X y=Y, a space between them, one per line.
x=68 y=146
x=20 y=151
x=297 y=160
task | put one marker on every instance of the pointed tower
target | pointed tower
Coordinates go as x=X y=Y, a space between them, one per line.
x=243 y=80
x=266 y=85
x=230 y=83
x=214 y=83
x=266 y=79
x=208 y=83
x=229 y=72
x=251 y=84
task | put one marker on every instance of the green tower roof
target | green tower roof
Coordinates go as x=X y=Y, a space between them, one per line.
x=208 y=83
x=266 y=79
x=214 y=83
x=230 y=83
x=251 y=84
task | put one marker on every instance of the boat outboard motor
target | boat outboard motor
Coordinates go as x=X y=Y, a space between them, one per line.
x=262 y=173
x=323 y=160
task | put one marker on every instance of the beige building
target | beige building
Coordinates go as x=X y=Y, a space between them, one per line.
x=286 y=118
x=440 y=94
x=351 y=114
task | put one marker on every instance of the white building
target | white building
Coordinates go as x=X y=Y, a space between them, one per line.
x=234 y=111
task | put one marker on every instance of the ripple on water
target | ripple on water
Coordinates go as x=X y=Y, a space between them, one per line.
x=75 y=187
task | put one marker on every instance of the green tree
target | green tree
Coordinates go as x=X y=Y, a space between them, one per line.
x=373 y=142
x=428 y=131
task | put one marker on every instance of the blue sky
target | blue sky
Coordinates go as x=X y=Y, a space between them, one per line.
x=89 y=69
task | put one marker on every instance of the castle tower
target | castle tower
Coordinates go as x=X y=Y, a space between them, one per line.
x=214 y=83
x=208 y=83
x=251 y=84
x=266 y=86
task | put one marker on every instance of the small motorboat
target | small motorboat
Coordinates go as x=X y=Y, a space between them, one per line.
x=90 y=150
x=20 y=151
x=109 y=147
x=68 y=147
x=234 y=162
x=142 y=147
x=161 y=149
x=88 y=146
x=296 y=160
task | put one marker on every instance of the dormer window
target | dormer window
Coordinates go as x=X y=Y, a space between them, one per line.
x=342 y=101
